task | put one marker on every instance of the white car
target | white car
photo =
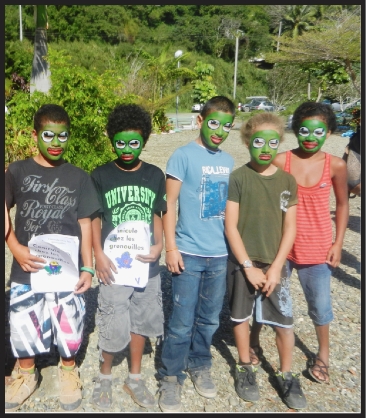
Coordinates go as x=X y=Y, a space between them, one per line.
x=197 y=107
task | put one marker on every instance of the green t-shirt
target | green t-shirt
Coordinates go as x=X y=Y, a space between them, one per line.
x=263 y=202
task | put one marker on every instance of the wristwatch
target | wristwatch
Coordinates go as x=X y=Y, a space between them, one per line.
x=247 y=264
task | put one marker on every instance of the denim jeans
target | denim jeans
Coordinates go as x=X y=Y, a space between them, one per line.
x=198 y=294
x=315 y=282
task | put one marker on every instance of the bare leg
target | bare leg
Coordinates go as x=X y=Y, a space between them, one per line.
x=106 y=367
x=322 y=333
x=241 y=335
x=254 y=333
x=137 y=345
x=68 y=362
x=26 y=362
x=285 y=341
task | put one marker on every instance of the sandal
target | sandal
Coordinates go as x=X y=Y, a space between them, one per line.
x=322 y=369
x=102 y=394
x=256 y=353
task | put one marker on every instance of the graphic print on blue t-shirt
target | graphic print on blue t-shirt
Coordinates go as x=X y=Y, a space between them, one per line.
x=214 y=189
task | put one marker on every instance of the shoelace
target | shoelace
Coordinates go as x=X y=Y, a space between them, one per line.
x=293 y=384
x=170 y=391
x=72 y=377
x=15 y=385
x=246 y=374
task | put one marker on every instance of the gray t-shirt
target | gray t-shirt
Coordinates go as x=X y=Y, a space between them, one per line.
x=49 y=200
x=202 y=200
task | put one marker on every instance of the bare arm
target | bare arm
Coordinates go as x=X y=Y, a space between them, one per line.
x=254 y=275
x=287 y=241
x=103 y=264
x=85 y=279
x=21 y=253
x=155 y=250
x=173 y=258
x=339 y=180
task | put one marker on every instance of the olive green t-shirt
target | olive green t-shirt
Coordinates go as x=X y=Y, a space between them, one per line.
x=263 y=202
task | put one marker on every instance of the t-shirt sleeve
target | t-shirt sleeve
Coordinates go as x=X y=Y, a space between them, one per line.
x=177 y=165
x=88 y=203
x=233 y=192
x=9 y=188
x=160 y=203
x=293 y=191
x=96 y=182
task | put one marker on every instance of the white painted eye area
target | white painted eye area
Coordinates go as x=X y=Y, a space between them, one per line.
x=258 y=142
x=134 y=144
x=48 y=136
x=227 y=127
x=319 y=132
x=274 y=143
x=304 y=131
x=213 y=123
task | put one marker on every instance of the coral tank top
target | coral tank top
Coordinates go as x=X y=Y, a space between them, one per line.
x=313 y=221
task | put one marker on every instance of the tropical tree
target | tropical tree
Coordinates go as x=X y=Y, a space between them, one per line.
x=298 y=19
x=203 y=88
x=40 y=77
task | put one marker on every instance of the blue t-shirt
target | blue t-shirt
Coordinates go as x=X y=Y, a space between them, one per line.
x=205 y=177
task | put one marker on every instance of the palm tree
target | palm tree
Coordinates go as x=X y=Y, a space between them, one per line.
x=40 y=77
x=299 y=19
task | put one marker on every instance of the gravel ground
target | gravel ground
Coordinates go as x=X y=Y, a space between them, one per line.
x=342 y=395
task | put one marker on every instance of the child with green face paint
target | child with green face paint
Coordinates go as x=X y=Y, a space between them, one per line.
x=260 y=225
x=52 y=197
x=128 y=189
x=315 y=253
x=196 y=253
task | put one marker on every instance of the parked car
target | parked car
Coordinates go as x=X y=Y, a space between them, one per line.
x=258 y=105
x=337 y=107
x=197 y=107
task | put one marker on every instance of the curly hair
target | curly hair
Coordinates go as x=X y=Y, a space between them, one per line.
x=314 y=109
x=50 y=113
x=129 y=117
x=252 y=124
x=218 y=104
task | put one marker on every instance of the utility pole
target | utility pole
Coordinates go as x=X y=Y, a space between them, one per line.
x=279 y=34
x=238 y=34
x=20 y=23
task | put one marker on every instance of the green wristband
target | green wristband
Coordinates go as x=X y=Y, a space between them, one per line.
x=89 y=270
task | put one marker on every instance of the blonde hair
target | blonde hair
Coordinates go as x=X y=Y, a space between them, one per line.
x=252 y=124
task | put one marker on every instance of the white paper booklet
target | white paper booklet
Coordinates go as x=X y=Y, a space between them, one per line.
x=61 y=271
x=122 y=245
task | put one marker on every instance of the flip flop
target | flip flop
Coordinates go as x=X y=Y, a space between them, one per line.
x=256 y=353
x=322 y=369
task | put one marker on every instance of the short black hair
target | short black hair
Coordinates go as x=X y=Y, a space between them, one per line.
x=50 y=113
x=129 y=117
x=218 y=104
x=311 y=109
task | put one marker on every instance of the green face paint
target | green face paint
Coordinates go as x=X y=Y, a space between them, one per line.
x=312 y=135
x=52 y=140
x=128 y=146
x=215 y=129
x=263 y=146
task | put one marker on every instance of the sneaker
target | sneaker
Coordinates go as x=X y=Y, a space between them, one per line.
x=245 y=383
x=170 y=393
x=20 y=390
x=102 y=394
x=203 y=382
x=290 y=390
x=70 y=388
x=139 y=392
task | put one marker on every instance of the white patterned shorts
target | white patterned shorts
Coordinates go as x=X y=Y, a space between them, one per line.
x=37 y=319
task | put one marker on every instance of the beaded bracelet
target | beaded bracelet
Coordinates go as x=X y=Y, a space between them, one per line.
x=173 y=249
x=89 y=270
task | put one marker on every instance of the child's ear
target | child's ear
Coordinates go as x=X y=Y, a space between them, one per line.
x=329 y=133
x=199 y=121
x=34 y=136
